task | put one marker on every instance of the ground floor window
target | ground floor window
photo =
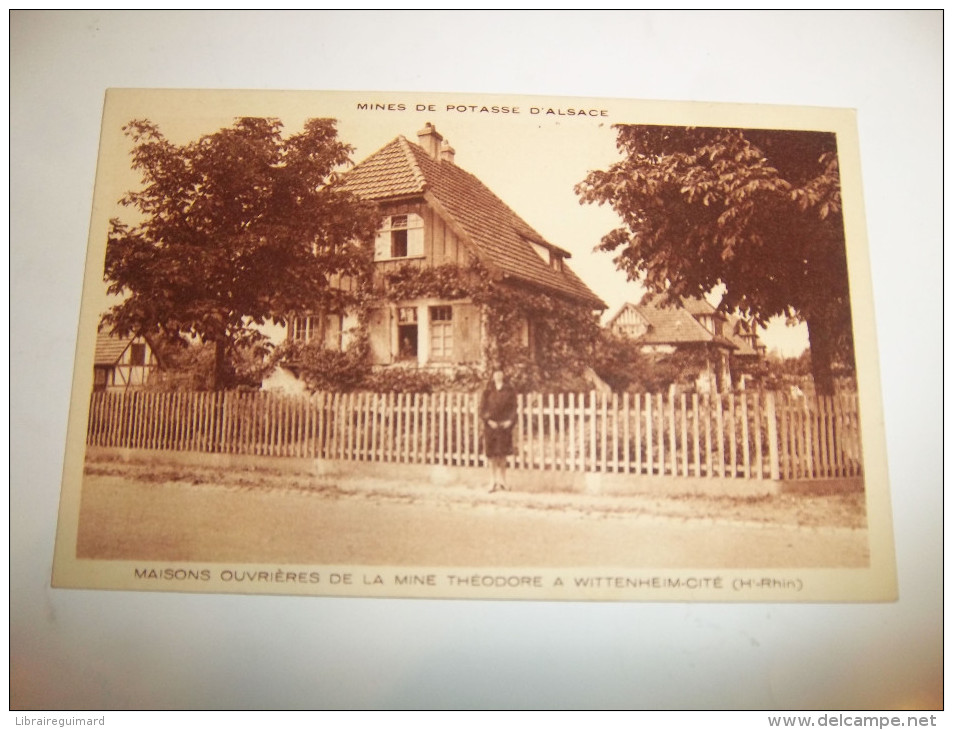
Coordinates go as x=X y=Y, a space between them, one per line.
x=441 y=333
x=100 y=378
x=302 y=328
x=325 y=329
x=407 y=333
x=425 y=333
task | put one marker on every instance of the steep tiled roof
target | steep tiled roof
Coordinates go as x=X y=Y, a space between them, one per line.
x=497 y=235
x=672 y=325
x=391 y=172
x=697 y=306
x=109 y=348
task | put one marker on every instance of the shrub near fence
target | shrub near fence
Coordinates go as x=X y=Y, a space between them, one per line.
x=748 y=435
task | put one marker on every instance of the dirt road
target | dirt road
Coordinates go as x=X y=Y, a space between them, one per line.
x=150 y=513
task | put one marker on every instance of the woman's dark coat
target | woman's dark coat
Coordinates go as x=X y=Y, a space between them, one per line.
x=499 y=406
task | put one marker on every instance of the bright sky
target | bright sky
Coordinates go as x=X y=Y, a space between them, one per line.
x=532 y=161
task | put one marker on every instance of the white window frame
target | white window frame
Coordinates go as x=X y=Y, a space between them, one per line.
x=443 y=353
x=410 y=222
x=313 y=327
x=301 y=328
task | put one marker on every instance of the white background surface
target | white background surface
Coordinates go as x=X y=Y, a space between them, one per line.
x=115 y=650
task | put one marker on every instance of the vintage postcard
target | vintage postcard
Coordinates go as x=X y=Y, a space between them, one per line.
x=486 y=347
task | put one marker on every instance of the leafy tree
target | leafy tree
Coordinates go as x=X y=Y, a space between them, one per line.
x=191 y=366
x=757 y=211
x=238 y=227
x=621 y=362
x=322 y=368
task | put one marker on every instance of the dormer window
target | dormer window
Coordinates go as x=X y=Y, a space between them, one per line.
x=549 y=256
x=708 y=322
x=541 y=251
x=401 y=237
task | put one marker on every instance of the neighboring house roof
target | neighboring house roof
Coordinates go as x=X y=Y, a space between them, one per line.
x=109 y=348
x=610 y=323
x=671 y=325
x=698 y=306
x=737 y=329
x=497 y=235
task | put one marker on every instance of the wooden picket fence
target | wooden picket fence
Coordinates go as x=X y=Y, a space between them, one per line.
x=749 y=435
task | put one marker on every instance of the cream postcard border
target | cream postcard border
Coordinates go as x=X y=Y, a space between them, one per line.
x=878 y=582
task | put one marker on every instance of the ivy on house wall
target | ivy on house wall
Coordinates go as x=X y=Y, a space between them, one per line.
x=542 y=342
x=561 y=339
x=448 y=281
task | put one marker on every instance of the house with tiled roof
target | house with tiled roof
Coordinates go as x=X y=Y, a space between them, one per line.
x=435 y=216
x=690 y=326
x=123 y=363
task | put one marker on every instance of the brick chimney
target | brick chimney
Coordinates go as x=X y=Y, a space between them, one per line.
x=446 y=152
x=430 y=139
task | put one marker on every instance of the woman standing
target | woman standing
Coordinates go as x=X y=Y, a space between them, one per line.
x=498 y=412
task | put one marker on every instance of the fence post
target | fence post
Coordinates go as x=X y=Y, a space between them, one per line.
x=571 y=442
x=649 y=454
x=593 y=414
x=696 y=449
x=771 y=415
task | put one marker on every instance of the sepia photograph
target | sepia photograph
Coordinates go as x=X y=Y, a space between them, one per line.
x=510 y=360
x=489 y=347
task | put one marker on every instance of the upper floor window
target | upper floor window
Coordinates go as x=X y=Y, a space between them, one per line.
x=401 y=236
x=137 y=354
x=398 y=236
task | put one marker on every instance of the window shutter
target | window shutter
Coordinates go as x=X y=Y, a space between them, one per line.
x=332 y=332
x=415 y=235
x=379 y=327
x=466 y=333
x=382 y=245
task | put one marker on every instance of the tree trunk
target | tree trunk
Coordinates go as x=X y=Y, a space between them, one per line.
x=822 y=355
x=218 y=367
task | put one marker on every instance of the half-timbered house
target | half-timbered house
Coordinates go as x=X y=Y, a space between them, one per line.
x=436 y=216
x=123 y=363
